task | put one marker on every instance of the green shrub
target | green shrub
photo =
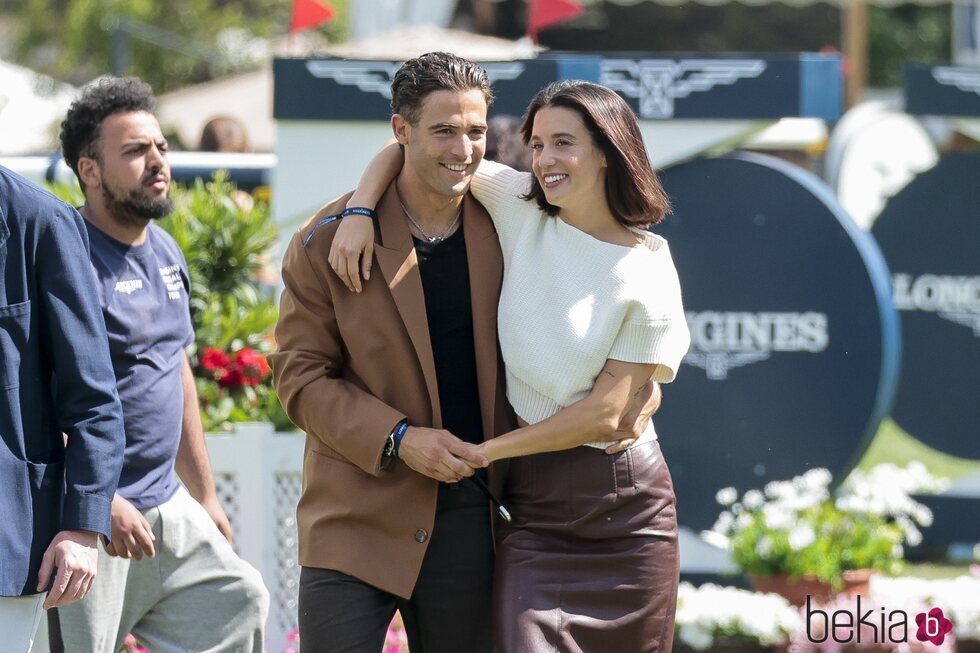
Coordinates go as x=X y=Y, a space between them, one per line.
x=227 y=239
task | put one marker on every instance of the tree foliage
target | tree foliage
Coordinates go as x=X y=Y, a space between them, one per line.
x=72 y=39
x=906 y=33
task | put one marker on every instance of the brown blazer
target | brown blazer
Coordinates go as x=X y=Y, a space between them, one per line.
x=350 y=366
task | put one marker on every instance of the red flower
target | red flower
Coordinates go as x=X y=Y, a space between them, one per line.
x=214 y=360
x=231 y=379
x=252 y=366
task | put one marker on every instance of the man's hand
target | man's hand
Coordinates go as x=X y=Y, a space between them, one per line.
x=217 y=514
x=636 y=419
x=439 y=454
x=132 y=535
x=75 y=556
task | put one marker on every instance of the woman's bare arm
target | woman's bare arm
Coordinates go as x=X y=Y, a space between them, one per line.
x=597 y=417
x=352 y=250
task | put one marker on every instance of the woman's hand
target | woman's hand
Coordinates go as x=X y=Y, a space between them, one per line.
x=636 y=420
x=352 y=251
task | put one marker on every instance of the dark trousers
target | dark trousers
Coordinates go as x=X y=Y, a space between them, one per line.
x=449 y=610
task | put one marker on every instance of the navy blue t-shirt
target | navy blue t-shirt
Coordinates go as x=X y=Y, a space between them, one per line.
x=144 y=294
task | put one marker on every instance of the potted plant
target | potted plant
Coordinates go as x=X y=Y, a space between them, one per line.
x=730 y=620
x=226 y=241
x=226 y=237
x=799 y=538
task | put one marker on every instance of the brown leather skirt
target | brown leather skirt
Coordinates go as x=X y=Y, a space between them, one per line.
x=590 y=562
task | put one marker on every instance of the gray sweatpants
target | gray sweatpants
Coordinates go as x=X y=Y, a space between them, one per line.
x=19 y=616
x=195 y=595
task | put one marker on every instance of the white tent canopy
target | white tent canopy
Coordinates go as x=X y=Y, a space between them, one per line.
x=31 y=109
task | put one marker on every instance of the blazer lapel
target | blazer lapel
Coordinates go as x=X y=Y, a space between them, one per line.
x=400 y=268
x=486 y=271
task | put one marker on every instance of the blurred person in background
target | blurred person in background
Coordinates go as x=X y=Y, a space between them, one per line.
x=224 y=134
x=505 y=144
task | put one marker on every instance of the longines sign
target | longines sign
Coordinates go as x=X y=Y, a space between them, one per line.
x=942 y=90
x=340 y=89
x=794 y=340
x=956 y=299
x=721 y=341
x=930 y=235
x=658 y=87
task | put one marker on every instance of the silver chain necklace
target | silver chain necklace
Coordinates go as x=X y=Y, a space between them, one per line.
x=433 y=239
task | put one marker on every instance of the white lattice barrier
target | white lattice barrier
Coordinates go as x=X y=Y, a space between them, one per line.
x=258 y=474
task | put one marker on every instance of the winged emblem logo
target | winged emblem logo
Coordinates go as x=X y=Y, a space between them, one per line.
x=717 y=364
x=656 y=83
x=965 y=79
x=964 y=318
x=376 y=76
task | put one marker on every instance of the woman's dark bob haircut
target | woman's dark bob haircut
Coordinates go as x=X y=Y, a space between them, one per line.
x=633 y=191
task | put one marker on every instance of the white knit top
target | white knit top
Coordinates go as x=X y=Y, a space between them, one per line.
x=570 y=301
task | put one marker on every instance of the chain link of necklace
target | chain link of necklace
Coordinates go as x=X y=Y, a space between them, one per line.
x=433 y=239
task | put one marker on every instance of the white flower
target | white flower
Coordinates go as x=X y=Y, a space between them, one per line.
x=764 y=546
x=753 y=500
x=710 y=609
x=818 y=478
x=780 y=489
x=922 y=515
x=697 y=637
x=724 y=522
x=726 y=496
x=801 y=537
x=777 y=517
x=714 y=538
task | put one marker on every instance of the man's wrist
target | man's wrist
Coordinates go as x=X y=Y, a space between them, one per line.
x=393 y=443
x=398 y=434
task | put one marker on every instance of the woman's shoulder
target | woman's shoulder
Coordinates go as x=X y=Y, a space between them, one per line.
x=503 y=177
x=651 y=242
x=652 y=249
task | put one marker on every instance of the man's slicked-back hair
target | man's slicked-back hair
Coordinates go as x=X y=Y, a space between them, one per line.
x=435 y=71
x=80 y=131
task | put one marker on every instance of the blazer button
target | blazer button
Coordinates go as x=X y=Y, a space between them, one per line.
x=421 y=536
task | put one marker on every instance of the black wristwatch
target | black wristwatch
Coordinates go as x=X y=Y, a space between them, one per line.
x=390 y=452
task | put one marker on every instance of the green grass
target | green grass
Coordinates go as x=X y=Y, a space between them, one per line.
x=936 y=570
x=891 y=444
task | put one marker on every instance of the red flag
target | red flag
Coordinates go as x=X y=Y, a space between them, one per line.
x=309 y=13
x=545 y=13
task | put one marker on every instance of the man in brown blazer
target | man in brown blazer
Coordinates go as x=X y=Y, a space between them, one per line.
x=395 y=383
x=411 y=360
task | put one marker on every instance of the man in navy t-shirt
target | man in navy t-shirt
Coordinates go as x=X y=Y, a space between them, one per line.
x=168 y=574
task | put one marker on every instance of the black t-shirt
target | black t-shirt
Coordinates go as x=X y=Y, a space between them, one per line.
x=446 y=286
